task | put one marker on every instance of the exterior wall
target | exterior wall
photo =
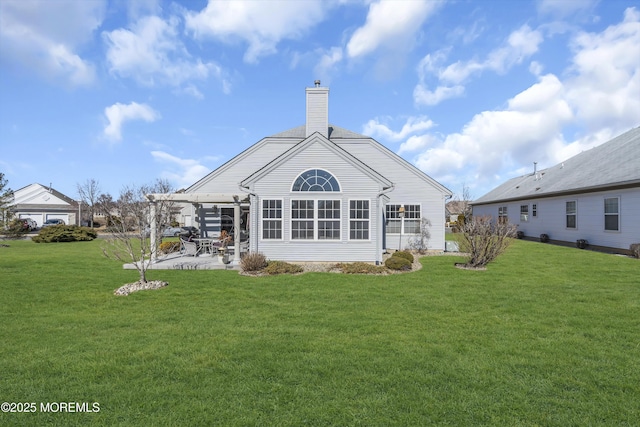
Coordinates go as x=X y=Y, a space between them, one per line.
x=38 y=203
x=551 y=218
x=410 y=188
x=354 y=184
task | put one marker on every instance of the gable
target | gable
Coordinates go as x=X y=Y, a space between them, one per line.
x=36 y=194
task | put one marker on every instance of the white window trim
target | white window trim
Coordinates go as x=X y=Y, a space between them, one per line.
x=534 y=210
x=349 y=220
x=315 y=216
x=402 y=231
x=262 y=219
x=566 y=214
x=604 y=215
x=526 y=219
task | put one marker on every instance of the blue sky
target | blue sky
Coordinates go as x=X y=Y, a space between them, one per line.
x=471 y=92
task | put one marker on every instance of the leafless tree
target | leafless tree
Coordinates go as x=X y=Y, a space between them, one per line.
x=105 y=206
x=420 y=241
x=88 y=192
x=6 y=200
x=485 y=239
x=128 y=240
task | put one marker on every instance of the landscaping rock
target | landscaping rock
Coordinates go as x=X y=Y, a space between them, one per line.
x=139 y=286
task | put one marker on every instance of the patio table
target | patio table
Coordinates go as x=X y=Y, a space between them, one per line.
x=205 y=245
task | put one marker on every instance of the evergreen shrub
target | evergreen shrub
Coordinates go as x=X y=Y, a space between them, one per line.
x=281 y=267
x=404 y=254
x=65 y=233
x=397 y=263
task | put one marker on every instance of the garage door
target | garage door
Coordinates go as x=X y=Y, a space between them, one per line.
x=64 y=217
x=36 y=217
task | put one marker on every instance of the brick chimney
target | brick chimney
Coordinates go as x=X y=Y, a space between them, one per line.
x=317 y=110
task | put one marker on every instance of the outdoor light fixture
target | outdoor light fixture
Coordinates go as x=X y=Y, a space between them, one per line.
x=401 y=215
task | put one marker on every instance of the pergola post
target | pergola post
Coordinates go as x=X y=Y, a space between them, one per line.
x=154 y=227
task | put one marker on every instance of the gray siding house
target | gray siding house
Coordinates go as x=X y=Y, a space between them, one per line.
x=594 y=196
x=319 y=192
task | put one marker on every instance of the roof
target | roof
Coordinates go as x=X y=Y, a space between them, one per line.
x=335 y=132
x=28 y=193
x=615 y=163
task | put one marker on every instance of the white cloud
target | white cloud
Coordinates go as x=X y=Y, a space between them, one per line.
x=261 y=24
x=119 y=113
x=564 y=8
x=46 y=37
x=181 y=172
x=151 y=52
x=376 y=129
x=392 y=25
x=520 y=44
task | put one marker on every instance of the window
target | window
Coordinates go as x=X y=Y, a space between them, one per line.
x=329 y=219
x=272 y=219
x=612 y=214
x=307 y=216
x=302 y=219
x=502 y=214
x=359 y=219
x=315 y=180
x=411 y=222
x=571 y=212
x=534 y=210
x=524 y=213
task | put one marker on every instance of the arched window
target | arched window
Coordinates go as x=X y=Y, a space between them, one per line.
x=315 y=180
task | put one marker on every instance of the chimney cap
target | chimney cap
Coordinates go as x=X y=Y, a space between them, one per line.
x=317 y=83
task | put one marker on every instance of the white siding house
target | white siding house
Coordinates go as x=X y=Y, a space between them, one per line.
x=594 y=196
x=319 y=192
x=41 y=203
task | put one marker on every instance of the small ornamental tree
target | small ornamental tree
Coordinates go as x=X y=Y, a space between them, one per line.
x=128 y=240
x=420 y=241
x=485 y=239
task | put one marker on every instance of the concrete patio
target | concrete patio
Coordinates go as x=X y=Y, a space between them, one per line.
x=178 y=261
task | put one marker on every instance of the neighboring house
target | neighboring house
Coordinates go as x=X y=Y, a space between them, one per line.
x=319 y=192
x=41 y=203
x=594 y=195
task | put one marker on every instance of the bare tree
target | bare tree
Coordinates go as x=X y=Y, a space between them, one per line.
x=88 y=192
x=129 y=234
x=105 y=206
x=485 y=239
x=6 y=200
x=420 y=241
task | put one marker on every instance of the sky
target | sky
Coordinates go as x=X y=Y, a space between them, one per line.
x=472 y=92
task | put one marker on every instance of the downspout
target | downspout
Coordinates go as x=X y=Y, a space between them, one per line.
x=251 y=213
x=381 y=230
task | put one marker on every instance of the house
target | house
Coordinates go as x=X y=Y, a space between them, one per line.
x=318 y=192
x=41 y=203
x=594 y=196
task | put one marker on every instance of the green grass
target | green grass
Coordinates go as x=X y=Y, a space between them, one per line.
x=547 y=336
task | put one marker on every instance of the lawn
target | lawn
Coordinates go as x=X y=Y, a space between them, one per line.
x=546 y=336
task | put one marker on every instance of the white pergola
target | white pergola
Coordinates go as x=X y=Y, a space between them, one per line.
x=198 y=198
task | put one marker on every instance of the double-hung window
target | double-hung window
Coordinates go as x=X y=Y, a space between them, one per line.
x=612 y=214
x=502 y=214
x=407 y=223
x=272 y=219
x=524 y=213
x=534 y=210
x=571 y=211
x=359 y=220
x=302 y=219
x=315 y=219
x=328 y=219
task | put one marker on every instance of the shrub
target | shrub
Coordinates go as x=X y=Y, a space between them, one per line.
x=485 y=239
x=254 y=261
x=281 y=267
x=635 y=250
x=360 y=268
x=398 y=263
x=404 y=254
x=169 y=247
x=65 y=233
x=16 y=229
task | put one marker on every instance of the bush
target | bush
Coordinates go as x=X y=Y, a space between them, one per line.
x=16 y=229
x=281 y=267
x=254 y=261
x=398 y=263
x=169 y=247
x=360 y=268
x=65 y=233
x=635 y=250
x=404 y=254
x=485 y=239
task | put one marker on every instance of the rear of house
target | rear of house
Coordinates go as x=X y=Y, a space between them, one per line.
x=594 y=196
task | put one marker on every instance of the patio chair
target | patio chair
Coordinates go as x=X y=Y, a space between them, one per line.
x=189 y=248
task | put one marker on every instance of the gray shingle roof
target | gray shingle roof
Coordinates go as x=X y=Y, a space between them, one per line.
x=614 y=163
x=335 y=132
